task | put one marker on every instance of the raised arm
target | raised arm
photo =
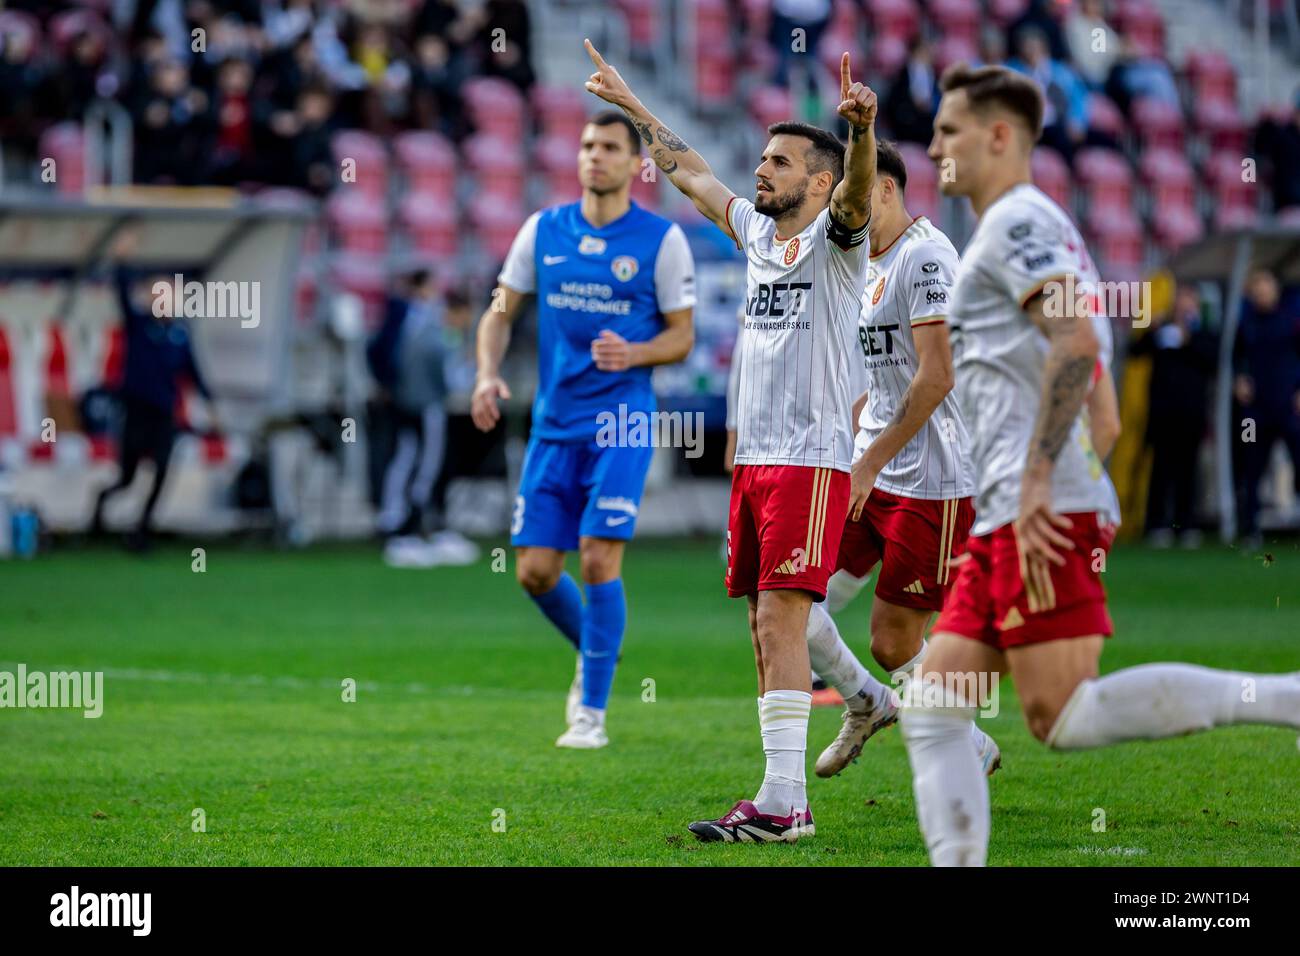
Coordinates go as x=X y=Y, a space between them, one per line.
x=851 y=201
x=684 y=167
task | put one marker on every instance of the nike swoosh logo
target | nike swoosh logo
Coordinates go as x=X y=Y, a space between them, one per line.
x=615 y=522
x=552 y=260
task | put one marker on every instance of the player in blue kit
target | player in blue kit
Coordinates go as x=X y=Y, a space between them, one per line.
x=615 y=290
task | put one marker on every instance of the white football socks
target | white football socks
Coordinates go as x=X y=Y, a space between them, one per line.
x=836 y=664
x=841 y=589
x=899 y=675
x=952 y=795
x=783 y=716
x=1153 y=701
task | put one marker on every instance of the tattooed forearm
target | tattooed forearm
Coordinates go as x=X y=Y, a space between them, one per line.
x=672 y=140
x=664 y=161
x=1065 y=389
x=644 y=129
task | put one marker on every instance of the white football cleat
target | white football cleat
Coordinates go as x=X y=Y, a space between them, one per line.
x=587 y=731
x=989 y=754
x=858 y=728
x=574 y=700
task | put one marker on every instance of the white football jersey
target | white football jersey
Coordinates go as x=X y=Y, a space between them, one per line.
x=909 y=284
x=1023 y=242
x=802 y=295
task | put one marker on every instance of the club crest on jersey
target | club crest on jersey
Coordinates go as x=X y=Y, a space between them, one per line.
x=791 y=251
x=591 y=246
x=624 y=268
x=880 y=290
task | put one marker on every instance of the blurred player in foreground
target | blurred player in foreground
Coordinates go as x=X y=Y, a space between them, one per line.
x=615 y=288
x=1028 y=593
x=790 y=483
x=911 y=483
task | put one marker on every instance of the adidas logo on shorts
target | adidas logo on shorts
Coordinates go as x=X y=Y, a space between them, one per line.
x=915 y=587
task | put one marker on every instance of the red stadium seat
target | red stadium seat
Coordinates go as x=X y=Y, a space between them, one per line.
x=1158 y=123
x=1220 y=122
x=369 y=157
x=1104 y=116
x=1168 y=177
x=758 y=16
x=1227 y=218
x=431 y=225
x=561 y=110
x=428 y=163
x=1052 y=175
x=65 y=144
x=1005 y=12
x=497 y=164
x=953 y=49
x=1115 y=235
x=958 y=18
x=900 y=19
x=1235 y=199
x=1176 y=226
x=1141 y=22
x=1107 y=179
x=495 y=107
x=714 y=76
x=922 y=197
x=648 y=193
x=642 y=18
x=1212 y=76
x=770 y=104
x=364 y=277
x=888 y=54
x=496 y=223
x=357 y=222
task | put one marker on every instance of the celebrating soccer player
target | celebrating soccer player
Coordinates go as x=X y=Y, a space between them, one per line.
x=615 y=288
x=911 y=480
x=1028 y=595
x=804 y=238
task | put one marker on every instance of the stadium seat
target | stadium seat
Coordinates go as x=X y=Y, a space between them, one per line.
x=560 y=110
x=1176 y=225
x=958 y=18
x=366 y=278
x=1104 y=116
x=430 y=225
x=900 y=19
x=953 y=49
x=1168 y=177
x=65 y=144
x=648 y=193
x=922 y=182
x=1107 y=179
x=370 y=157
x=1115 y=235
x=714 y=76
x=888 y=54
x=1006 y=12
x=1228 y=218
x=1141 y=22
x=1231 y=192
x=495 y=107
x=1158 y=123
x=770 y=104
x=497 y=165
x=1220 y=122
x=427 y=161
x=1211 y=76
x=642 y=18
x=1052 y=175
x=357 y=222
x=495 y=223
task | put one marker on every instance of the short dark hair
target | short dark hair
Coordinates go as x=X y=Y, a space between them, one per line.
x=610 y=117
x=990 y=86
x=889 y=162
x=825 y=153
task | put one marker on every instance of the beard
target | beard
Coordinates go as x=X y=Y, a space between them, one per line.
x=777 y=205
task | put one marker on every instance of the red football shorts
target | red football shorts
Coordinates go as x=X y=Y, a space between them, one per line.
x=784 y=527
x=913 y=539
x=989 y=601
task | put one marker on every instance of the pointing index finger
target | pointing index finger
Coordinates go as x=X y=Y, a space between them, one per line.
x=594 y=53
x=845 y=80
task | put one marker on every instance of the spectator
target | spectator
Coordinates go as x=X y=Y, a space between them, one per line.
x=233 y=159
x=504 y=43
x=158 y=354
x=809 y=16
x=1065 y=98
x=22 y=79
x=1183 y=358
x=1266 y=359
x=435 y=87
x=169 y=128
x=1278 y=143
x=992 y=49
x=302 y=141
x=1043 y=17
x=1094 y=46
x=913 y=96
x=1136 y=75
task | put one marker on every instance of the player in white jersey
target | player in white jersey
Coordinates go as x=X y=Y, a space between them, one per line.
x=804 y=238
x=911 y=481
x=1028 y=593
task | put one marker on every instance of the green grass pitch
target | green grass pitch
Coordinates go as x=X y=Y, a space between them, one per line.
x=223 y=692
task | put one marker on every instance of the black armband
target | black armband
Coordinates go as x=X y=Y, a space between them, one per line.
x=842 y=235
